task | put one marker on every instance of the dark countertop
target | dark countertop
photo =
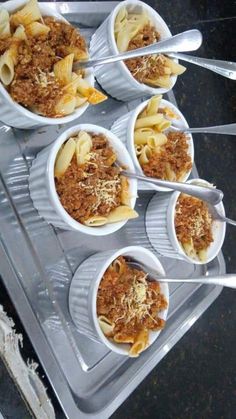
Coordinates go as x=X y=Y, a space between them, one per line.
x=197 y=379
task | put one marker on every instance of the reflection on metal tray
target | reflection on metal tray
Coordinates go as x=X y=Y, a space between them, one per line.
x=38 y=261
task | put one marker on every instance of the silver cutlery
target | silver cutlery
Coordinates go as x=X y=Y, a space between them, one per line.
x=211 y=195
x=185 y=41
x=218 y=216
x=224 y=68
x=227 y=280
x=229 y=129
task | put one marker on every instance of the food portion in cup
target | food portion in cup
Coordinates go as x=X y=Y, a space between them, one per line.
x=161 y=152
x=128 y=306
x=136 y=30
x=193 y=226
x=36 y=63
x=90 y=187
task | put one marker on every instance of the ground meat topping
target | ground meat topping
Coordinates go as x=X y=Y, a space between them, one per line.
x=193 y=221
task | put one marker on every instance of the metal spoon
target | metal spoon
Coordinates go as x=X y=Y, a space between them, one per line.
x=225 y=68
x=185 y=41
x=211 y=195
x=217 y=216
x=227 y=280
x=229 y=129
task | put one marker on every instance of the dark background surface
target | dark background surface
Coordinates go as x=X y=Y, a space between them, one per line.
x=197 y=379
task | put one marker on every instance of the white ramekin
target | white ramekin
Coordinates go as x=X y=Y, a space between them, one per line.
x=84 y=288
x=15 y=115
x=160 y=227
x=124 y=129
x=115 y=78
x=42 y=186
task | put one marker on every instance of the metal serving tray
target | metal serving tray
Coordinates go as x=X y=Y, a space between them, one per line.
x=38 y=262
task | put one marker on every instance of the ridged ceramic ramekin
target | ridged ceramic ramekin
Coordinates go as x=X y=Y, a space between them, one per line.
x=160 y=227
x=84 y=288
x=42 y=185
x=124 y=129
x=15 y=115
x=115 y=78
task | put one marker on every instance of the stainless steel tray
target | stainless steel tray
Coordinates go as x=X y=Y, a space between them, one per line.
x=38 y=261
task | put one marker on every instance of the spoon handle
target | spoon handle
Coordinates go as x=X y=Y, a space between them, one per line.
x=229 y=129
x=228 y=280
x=225 y=68
x=211 y=195
x=185 y=41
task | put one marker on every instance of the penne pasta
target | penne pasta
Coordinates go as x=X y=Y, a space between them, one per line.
x=37 y=29
x=106 y=326
x=96 y=221
x=140 y=343
x=20 y=33
x=63 y=70
x=141 y=135
x=28 y=14
x=66 y=105
x=79 y=54
x=138 y=149
x=148 y=121
x=118 y=266
x=121 y=20
x=153 y=105
x=4 y=23
x=156 y=140
x=161 y=81
x=83 y=146
x=170 y=174
x=122 y=338
x=7 y=67
x=131 y=303
x=175 y=68
x=163 y=125
x=121 y=213
x=64 y=159
x=145 y=155
x=80 y=101
x=93 y=95
x=125 y=195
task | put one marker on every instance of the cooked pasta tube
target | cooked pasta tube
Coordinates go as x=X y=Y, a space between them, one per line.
x=140 y=343
x=153 y=105
x=118 y=266
x=138 y=149
x=7 y=67
x=4 y=23
x=106 y=326
x=121 y=213
x=96 y=221
x=30 y=13
x=36 y=29
x=141 y=135
x=148 y=121
x=175 y=68
x=63 y=70
x=93 y=95
x=122 y=338
x=156 y=140
x=145 y=155
x=170 y=174
x=66 y=105
x=163 y=125
x=83 y=146
x=20 y=33
x=125 y=195
x=65 y=157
